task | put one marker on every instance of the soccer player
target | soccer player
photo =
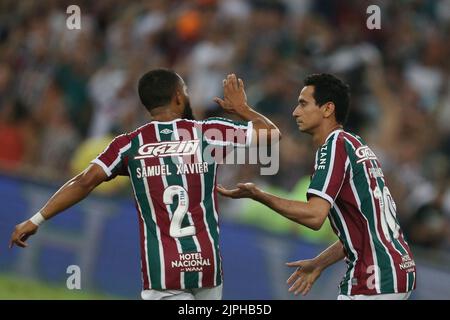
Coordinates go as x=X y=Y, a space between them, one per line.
x=171 y=162
x=349 y=187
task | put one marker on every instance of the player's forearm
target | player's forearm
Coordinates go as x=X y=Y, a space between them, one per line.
x=331 y=255
x=297 y=211
x=72 y=192
x=259 y=121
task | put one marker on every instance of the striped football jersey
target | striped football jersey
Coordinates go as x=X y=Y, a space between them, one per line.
x=363 y=215
x=172 y=167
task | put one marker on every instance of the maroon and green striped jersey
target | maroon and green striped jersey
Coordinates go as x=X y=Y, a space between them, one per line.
x=363 y=215
x=172 y=167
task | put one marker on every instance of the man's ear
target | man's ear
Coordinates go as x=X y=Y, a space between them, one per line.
x=178 y=97
x=329 y=109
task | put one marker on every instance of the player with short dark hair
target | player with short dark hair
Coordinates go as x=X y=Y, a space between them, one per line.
x=329 y=88
x=157 y=87
x=172 y=168
x=349 y=187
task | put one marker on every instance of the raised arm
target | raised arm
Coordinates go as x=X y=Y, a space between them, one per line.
x=235 y=101
x=73 y=191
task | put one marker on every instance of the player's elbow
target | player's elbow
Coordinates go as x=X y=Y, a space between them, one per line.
x=317 y=223
x=87 y=180
x=317 y=219
x=266 y=132
x=318 y=209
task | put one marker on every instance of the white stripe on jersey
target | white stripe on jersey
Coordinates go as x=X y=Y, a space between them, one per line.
x=407 y=281
x=104 y=167
x=331 y=164
x=224 y=143
x=216 y=216
x=122 y=150
x=322 y=195
x=108 y=170
x=315 y=161
x=158 y=231
x=189 y=214
x=225 y=123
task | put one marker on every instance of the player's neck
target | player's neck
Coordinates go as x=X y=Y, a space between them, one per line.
x=166 y=115
x=323 y=132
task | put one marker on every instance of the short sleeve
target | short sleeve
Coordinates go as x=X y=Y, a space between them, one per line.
x=111 y=159
x=330 y=169
x=225 y=132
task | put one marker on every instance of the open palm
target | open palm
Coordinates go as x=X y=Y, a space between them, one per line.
x=243 y=190
x=303 y=278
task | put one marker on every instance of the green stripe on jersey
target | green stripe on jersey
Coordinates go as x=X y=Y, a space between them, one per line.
x=411 y=278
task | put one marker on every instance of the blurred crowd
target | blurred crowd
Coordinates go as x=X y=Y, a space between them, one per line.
x=60 y=88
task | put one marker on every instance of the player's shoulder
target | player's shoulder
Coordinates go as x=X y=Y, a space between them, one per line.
x=127 y=137
x=341 y=141
x=351 y=139
x=131 y=135
x=336 y=137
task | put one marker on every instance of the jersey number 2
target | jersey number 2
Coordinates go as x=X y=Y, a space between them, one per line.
x=388 y=213
x=176 y=230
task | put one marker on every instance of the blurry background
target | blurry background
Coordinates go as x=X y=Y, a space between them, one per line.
x=65 y=93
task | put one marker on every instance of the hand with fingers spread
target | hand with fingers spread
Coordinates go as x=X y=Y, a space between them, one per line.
x=301 y=281
x=21 y=233
x=243 y=190
x=234 y=97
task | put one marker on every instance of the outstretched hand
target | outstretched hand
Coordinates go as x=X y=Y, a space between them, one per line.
x=243 y=190
x=303 y=278
x=21 y=233
x=234 y=97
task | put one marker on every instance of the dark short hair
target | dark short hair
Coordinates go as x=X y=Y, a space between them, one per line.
x=157 y=87
x=328 y=88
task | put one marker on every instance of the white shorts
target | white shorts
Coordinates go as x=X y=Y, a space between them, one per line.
x=387 y=296
x=214 y=293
